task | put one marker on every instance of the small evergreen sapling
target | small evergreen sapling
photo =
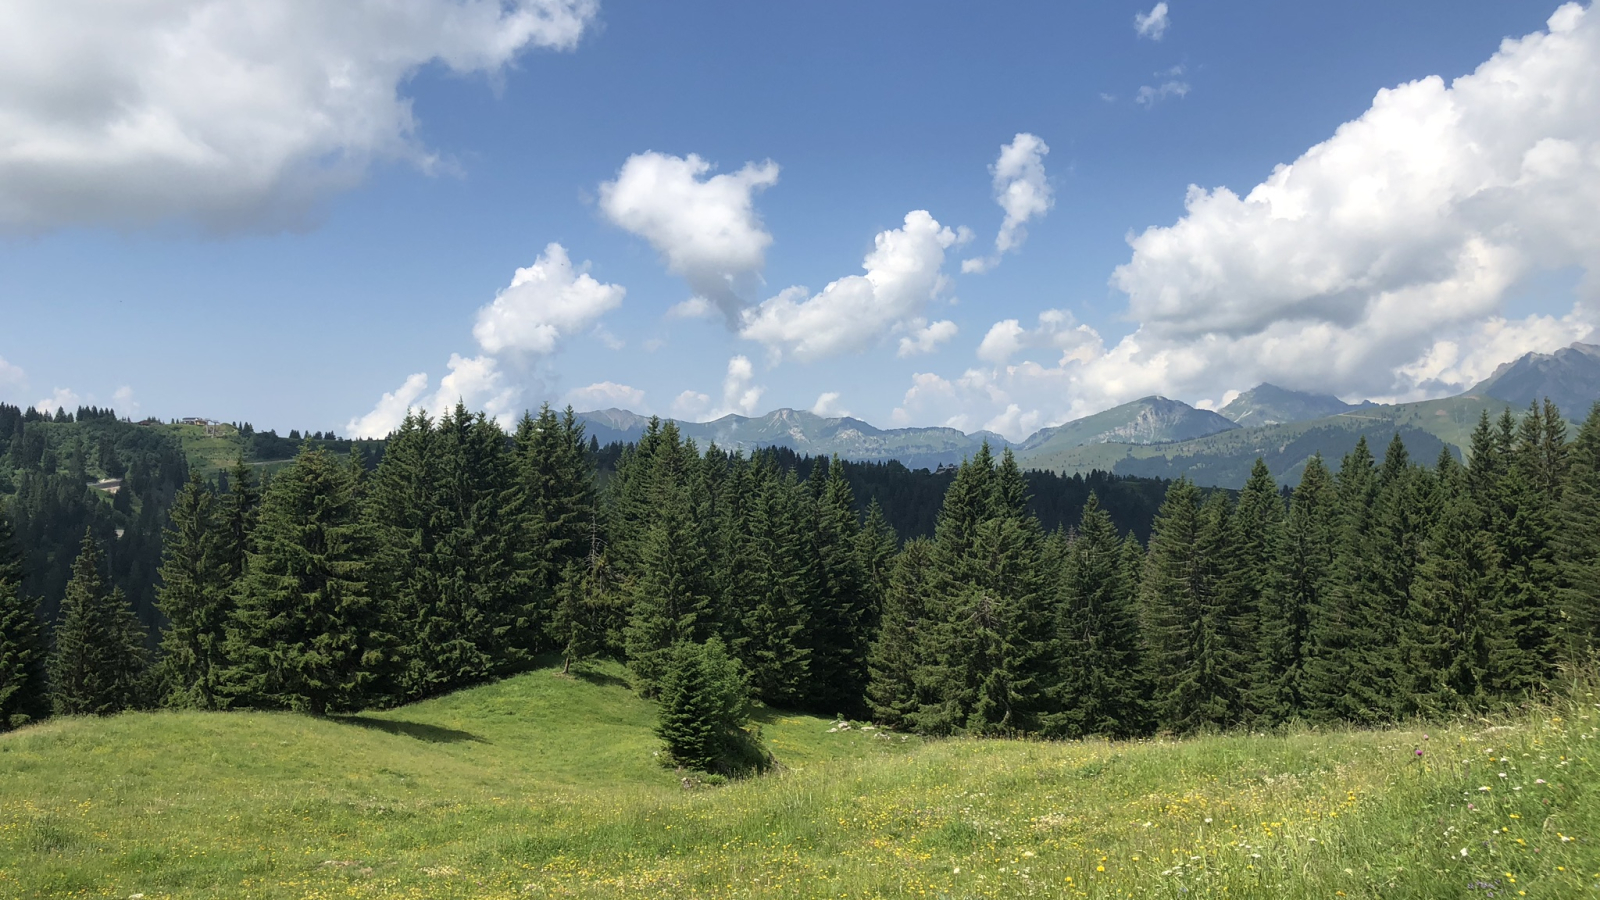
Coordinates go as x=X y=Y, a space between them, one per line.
x=704 y=710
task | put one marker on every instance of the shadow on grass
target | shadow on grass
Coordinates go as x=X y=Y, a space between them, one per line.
x=604 y=679
x=433 y=734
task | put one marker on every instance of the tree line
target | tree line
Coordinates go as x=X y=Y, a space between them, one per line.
x=1378 y=591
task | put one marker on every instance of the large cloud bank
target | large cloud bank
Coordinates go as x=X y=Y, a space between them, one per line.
x=1378 y=264
x=235 y=115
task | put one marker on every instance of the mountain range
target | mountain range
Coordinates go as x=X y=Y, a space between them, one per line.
x=1157 y=436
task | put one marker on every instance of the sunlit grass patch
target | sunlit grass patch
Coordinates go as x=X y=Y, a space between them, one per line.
x=549 y=786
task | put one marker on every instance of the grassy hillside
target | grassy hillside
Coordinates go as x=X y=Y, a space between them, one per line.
x=1224 y=459
x=546 y=786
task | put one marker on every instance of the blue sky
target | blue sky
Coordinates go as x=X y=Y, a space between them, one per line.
x=302 y=218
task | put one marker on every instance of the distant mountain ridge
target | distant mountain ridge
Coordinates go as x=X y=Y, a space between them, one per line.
x=1570 y=377
x=1158 y=436
x=809 y=433
x=1268 y=404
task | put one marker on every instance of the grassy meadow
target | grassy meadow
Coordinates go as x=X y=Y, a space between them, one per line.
x=548 y=786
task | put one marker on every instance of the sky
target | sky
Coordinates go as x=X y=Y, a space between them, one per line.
x=316 y=216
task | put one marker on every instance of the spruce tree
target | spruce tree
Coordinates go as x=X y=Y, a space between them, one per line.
x=703 y=708
x=1185 y=614
x=1336 y=683
x=308 y=634
x=556 y=475
x=898 y=653
x=1302 y=563
x=1098 y=641
x=195 y=597
x=1578 y=542
x=23 y=695
x=671 y=588
x=98 y=663
x=841 y=617
x=237 y=518
x=1526 y=637
x=1448 y=625
x=774 y=617
x=1256 y=525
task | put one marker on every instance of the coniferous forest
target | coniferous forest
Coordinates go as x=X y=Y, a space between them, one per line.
x=1379 y=588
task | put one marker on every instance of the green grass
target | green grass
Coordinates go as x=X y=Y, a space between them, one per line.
x=544 y=786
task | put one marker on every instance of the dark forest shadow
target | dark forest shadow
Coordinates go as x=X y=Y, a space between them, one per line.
x=433 y=734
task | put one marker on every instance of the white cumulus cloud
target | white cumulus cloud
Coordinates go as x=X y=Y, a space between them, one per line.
x=546 y=302
x=60 y=398
x=1022 y=190
x=476 y=381
x=902 y=275
x=1173 y=86
x=234 y=115
x=11 y=375
x=606 y=394
x=740 y=393
x=926 y=337
x=1153 y=24
x=704 y=226
x=1057 y=330
x=828 y=407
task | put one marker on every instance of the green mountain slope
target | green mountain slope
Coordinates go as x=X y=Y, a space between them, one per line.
x=1268 y=404
x=1149 y=420
x=544 y=786
x=1224 y=460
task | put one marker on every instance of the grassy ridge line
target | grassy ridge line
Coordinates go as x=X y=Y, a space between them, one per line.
x=545 y=786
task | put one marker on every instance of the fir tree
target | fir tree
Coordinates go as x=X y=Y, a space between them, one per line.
x=237 y=518
x=838 y=629
x=307 y=632
x=671 y=589
x=1102 y=689
x=194 y=596
x=897 y=654
x=1256 y=526
x=559 y=524
x=1301 y=566
x=22 y=657
x=1578 y=542
x=98 y=663
x=703 y=708
x=1448 y=649
x=1526 y=636
x=1336 y=683
x=774 y=617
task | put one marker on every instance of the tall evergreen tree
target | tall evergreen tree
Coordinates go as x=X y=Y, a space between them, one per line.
x=195 y=597
x=1195 y=681
x=1256 y=526
x=308 y=634
x=1526 y=637
x=559 y=524
x=1578 y=542
x=671 y=590
x=23 y=695
x=98 y=664
x=1337 y=683
x=897 y=655
x=1102 y=678
x=774 y=615
x=237 y=518
x=1447 y=625
x=1301 y=566
x=838 y=633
